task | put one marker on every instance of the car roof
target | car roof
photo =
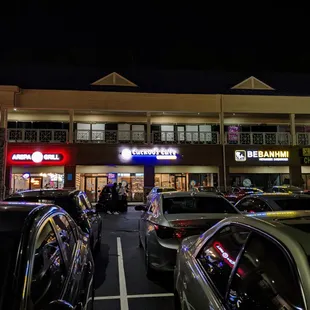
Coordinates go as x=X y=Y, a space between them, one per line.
x=44 y=193
x=13 y=214
x=187 y=194
x=282 y=225
x=272 y=196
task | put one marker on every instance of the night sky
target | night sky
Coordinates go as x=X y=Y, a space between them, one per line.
x=178 y=36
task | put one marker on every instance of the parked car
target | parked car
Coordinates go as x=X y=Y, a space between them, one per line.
x=158 y=189
x=75 y=203
x=46 y=260
x=238 y=193
x=286 y=189
x=259 y=261
x=273 y=202
x=207 y=189
x=173 y=216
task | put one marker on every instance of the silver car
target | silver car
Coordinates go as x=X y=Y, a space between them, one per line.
x=256 y=261
x=173 y=216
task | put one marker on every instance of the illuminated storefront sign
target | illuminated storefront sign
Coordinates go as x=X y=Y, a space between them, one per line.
x=158 y=153
x=36 y=157
x=242 y=155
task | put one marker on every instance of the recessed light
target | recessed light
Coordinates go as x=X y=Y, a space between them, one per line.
x=15 y=109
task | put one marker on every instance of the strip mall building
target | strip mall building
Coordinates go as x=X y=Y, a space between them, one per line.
x=144 y=131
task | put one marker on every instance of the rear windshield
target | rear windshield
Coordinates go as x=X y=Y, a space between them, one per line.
x=176 y=205
x=293 y=203
x=165 y=190
x=207 y=189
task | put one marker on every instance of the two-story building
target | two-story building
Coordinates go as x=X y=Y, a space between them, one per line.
x=79 y=129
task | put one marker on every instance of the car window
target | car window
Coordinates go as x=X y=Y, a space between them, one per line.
x=267 y=280
x=66 y=234
x=154 y=206
x=236 y=190
x=49 y=272
x=293 y=203
x=197 y=204
x=81 y=204
x=253 y=205
x=218 y=256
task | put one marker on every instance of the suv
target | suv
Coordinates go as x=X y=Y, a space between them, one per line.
x=75 y=203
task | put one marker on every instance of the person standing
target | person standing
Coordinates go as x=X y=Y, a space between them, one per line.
x=114 y=199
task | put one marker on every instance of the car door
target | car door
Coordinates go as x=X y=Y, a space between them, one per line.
x=80 y=267
x=48 y=270
x=204 y=278
x=267 y=277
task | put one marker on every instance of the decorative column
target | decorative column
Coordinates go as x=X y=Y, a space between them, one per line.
x=148 y=128
x=293 y=128
x=3 y=151
x=71 y=126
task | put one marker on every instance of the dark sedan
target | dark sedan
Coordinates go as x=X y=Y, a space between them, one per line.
x=273 y=202
x=46 y=261
x=75 y=203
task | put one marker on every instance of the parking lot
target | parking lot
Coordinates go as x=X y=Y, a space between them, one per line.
x=120 y=279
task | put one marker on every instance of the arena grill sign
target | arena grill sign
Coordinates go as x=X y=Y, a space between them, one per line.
x=159 y=153
x=36 y=157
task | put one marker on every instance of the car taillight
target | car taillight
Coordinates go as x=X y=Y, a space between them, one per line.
x=164 y=232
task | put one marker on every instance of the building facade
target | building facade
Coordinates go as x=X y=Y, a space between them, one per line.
x=116 y=132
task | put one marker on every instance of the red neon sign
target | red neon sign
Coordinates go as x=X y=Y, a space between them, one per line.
x=37 y=156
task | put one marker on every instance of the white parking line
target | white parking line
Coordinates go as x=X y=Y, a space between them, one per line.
x=121 y=276
x=135 y=296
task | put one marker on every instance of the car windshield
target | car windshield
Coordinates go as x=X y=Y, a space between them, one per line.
x=293 y=203
x=176 y=205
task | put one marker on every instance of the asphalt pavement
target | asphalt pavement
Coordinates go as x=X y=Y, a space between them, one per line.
x=120 y=278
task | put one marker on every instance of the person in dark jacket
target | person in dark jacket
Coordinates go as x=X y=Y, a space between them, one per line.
x=114 y=201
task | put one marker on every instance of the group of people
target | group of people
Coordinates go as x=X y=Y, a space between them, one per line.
x=118 y=201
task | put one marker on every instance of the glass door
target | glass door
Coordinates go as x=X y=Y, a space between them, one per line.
x=36 y=182
x=90 y=188
x=101 y=183
x=180 y=183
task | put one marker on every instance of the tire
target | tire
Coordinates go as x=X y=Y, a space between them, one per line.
x=150 y=272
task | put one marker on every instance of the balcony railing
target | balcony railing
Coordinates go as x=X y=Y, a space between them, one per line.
x=261 y=138
x=110 y=136
x=185 y=137
x=38 y=135
x=303 y=138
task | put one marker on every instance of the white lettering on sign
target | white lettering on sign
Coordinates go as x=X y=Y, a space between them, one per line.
x=159 y=153
x=36 y=157
x=242 y=155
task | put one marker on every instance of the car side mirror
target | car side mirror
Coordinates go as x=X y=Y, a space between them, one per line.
x=61 y=305
x=141 y=208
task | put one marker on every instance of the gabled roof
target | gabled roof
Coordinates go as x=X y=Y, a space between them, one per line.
x=113 y=79
x=252 y=83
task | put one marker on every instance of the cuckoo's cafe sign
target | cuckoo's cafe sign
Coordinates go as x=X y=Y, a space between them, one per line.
x=36 y=157
x=274 y=155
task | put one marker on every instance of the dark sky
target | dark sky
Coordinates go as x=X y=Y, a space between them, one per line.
x=177 y=36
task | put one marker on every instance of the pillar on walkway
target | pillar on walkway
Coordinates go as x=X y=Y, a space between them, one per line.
x=3 y=151
x=295 y=176
x=149 y=177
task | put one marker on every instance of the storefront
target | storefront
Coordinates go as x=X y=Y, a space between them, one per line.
x=262 y=167
x=89 y=167
x=92 y=180
x=37 y=166
x=305 y=167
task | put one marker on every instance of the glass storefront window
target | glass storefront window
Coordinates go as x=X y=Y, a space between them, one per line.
x=36 y=181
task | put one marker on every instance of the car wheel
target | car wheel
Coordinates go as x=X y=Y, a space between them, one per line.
x=150 y=272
